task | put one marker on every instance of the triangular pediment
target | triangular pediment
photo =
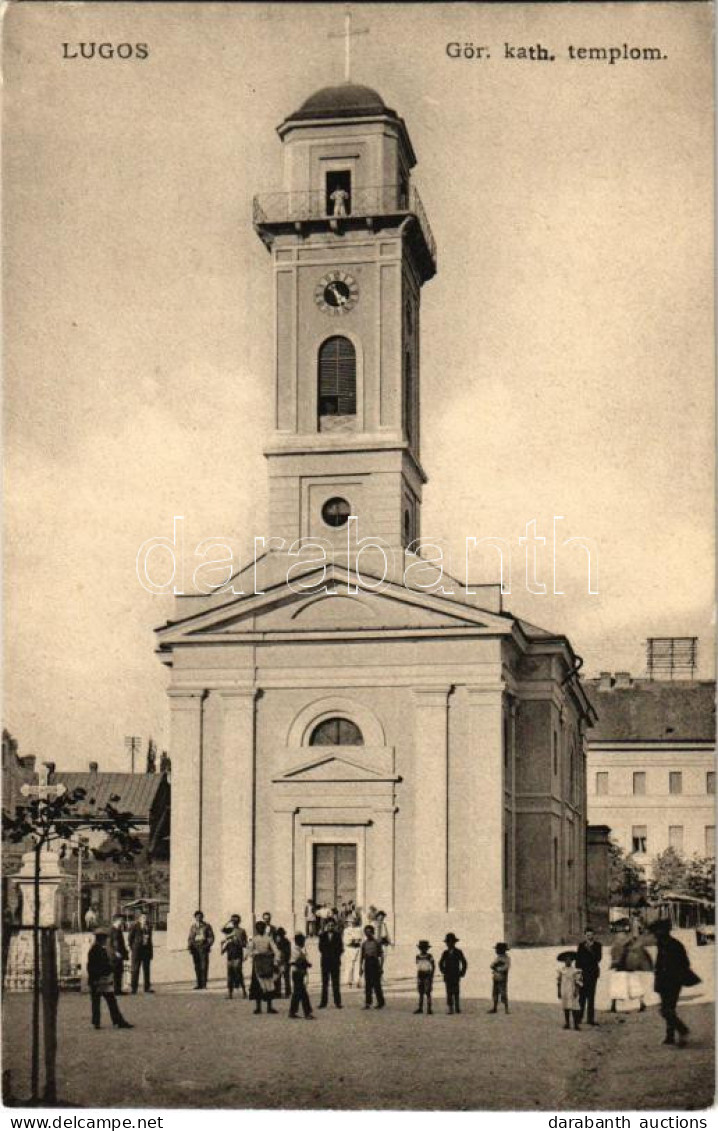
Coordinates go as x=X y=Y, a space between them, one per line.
x=332 y=766
x=331 y=600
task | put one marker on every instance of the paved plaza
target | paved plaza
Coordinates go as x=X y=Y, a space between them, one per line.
x=194 y=1049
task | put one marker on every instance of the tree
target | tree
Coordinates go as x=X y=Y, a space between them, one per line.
x=627 y=877
x=56 y=814
x=701 y=877
x=668 y=873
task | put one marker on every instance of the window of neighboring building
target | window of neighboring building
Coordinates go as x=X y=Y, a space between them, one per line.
x=337 y=378
x=555 y=752
x=675 y=837
x=408 y=396
x=602 y=783
x=675 y=782
x=639 y=838
x=710 y=840
x=555 y=861
x=710 y=781
x=336 y=732
x=639 y=783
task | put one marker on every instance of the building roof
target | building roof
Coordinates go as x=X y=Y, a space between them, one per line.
x=136 y=792
x=653 y=710
x=348 y=100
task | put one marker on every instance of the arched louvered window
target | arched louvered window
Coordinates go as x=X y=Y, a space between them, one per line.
x=336 y=732
x=337 y=378
x=408 y=396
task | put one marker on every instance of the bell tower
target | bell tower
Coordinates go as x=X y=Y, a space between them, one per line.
x=351 y=249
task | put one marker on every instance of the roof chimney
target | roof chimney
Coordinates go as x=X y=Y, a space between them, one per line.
x=604 y=682
x=28 y=762
x=623 y=681
x=50 y=767
x=93 y=767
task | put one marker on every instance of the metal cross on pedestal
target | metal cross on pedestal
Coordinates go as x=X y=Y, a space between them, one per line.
x=43 y=790
x=346 y=35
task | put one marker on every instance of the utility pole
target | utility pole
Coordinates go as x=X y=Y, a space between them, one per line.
x=132 y=746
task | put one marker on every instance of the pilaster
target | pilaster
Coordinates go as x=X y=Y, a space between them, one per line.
x=185 y=865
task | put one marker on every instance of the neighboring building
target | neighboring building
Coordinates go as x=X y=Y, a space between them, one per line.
x=16 y=772
x=107 y=885
x=651 y=763
x=339 y=736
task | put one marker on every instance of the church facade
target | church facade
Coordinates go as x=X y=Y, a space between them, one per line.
x=342 y=725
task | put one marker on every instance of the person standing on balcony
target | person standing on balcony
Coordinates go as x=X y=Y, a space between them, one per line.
x=340 y=200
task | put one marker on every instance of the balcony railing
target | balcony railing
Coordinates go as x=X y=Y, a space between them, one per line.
x=378 y=200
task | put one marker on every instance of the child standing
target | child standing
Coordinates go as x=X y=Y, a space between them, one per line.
x=453 y=966
x=424 y=975
x=299 y=964
x=569 y=984
x=500 y=977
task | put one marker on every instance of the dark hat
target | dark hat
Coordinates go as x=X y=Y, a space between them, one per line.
x=451 y=937
x=199 y=913
x=234 y=918
x=423 y=944
x=565 y=954
x=501 y=948
x=660 y=926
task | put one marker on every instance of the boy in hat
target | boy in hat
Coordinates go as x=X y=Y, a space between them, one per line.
x=100 y=975
x=299 y=964
x=453 y=966
x=424 y=975
x=233 y=946
x=500 y=977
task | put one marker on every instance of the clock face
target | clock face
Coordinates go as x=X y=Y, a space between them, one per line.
x=336 y=293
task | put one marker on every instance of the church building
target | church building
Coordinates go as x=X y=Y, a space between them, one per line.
x=349 y=728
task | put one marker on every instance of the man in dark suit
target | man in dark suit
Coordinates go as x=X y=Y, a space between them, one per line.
x=672 y=971
x=588 y=960
x=119 y=952
x=141 y=951
x=331 y=949
x=269 y=928
x=100 y=977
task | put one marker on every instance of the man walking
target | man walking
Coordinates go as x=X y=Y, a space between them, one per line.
x=588 y=960
x=672 y=972
x=331 y=949
x=199 y=944
x=119 y=952
x=141 y=953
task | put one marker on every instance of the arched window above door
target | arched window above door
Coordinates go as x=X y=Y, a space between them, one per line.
x=336 y=732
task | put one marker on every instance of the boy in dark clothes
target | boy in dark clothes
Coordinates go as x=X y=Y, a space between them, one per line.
x=285 y=950
x=299 y=965
x=424 y=975
x=233 y=946
x=453 y=966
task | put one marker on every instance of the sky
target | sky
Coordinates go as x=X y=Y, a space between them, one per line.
x=567 y=346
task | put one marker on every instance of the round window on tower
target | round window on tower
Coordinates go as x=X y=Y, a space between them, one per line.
x=336 y=511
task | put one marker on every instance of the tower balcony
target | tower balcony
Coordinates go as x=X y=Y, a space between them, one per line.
x=375 y=206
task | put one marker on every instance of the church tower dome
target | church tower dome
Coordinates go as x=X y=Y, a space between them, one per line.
x=346 y=100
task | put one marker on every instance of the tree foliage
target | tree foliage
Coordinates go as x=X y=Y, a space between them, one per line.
x=627 y=877
x=668 y=873
x=44 y=820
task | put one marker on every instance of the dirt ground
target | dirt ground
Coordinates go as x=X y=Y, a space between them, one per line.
x=200 y=1050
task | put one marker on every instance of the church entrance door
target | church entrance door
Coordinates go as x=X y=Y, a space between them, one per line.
x=335 y=874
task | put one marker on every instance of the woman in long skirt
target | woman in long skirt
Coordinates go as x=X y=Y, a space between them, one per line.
x=265 y=958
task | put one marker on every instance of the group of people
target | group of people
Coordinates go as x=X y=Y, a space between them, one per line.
x=280 y=966
x=631 y=964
